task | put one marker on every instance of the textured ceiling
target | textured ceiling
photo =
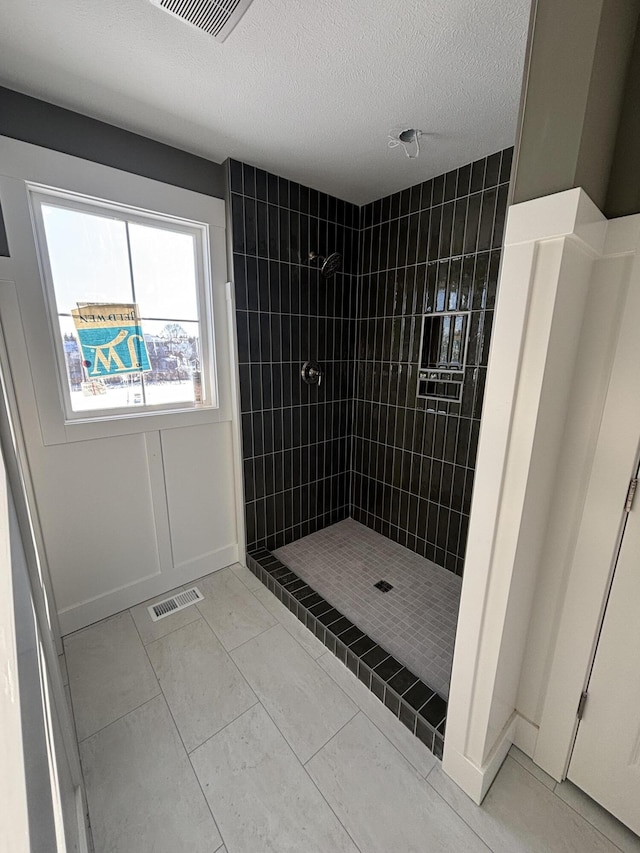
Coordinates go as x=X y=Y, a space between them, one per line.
x=308 y=89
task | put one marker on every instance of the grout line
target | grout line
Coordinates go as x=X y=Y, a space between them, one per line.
x=122 y=716
x=585 y=818
x=172 y=631
x=357 y=711
x=309 y=776
x=166 y=701
x=543 y=787
x=226 y=725
x=373 y=722
x=456 y=812
x=554 y=791
x=222 y=652
x=282 y=624
x=266 y=630
x=530 y=772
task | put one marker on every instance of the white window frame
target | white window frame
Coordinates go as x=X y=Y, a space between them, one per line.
x=23 y=165
x=40 y=195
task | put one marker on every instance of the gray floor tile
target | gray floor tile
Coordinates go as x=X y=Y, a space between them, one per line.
x=231 y=609
x=109 y=673
x=247 y=577
x=261 y=796
x=521 y=815
x=309 y=642
x=305 y=703
x=416 y=621
x=527 y=763
x=201 y=683
x=150 y=630
x=608 y=825
x=142 y=791
x=381 y=799
x=413 y=750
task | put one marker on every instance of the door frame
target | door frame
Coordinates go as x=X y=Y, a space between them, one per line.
x=601 y=526
x=14 y=816
x=19 y=474
x=546 y=392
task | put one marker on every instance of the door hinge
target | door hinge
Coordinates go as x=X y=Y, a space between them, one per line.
x=581 y=704
x=631 y=493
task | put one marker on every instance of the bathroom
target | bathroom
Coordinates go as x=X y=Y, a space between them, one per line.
x=317 y=563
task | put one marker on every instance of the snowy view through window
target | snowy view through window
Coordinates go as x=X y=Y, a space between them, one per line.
x=97 y=257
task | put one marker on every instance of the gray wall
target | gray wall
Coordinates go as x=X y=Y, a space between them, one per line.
x=623 y=195
x=40 y=123
x=575 y=75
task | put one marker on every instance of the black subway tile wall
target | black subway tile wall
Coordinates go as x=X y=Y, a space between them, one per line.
x=296 y=437
x=363 y=444
x=428 y=250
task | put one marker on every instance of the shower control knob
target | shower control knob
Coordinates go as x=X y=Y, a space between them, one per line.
x=311 y=373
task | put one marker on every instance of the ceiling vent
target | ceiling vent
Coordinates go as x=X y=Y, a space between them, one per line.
x=216 y=17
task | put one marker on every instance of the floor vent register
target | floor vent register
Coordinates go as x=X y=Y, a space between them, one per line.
x=175 y=603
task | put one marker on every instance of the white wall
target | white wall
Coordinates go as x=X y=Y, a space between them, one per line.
x=128 y=508
x=593 y=365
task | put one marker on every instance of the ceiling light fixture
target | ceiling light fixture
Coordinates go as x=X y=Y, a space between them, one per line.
x=408 y=138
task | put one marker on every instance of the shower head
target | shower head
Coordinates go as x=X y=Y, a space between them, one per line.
x=329 y=265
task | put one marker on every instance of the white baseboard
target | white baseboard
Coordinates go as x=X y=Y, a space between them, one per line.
x=475 y=780
x=88 y=612
x=526 y=735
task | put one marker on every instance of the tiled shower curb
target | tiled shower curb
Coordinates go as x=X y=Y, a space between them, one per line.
x=419 y=707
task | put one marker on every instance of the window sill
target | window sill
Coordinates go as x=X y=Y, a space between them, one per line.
x=112 y=426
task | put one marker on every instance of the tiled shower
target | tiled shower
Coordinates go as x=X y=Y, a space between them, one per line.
x=367 y=477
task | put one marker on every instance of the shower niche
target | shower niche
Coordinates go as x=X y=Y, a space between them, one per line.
x=442 y=355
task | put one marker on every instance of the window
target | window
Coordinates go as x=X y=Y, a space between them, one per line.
x=142 y=280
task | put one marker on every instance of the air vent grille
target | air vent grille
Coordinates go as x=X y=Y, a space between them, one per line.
x=216 y=17
x=175 y=603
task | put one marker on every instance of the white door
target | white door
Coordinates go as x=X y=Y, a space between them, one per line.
x=142 y=496
x=606 y=756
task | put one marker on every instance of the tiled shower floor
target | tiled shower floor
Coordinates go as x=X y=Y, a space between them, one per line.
x=415 y=621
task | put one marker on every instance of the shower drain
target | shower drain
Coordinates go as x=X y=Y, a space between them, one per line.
x=383 y=586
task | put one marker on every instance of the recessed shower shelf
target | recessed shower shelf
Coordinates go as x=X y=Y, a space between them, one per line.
x=419 y=707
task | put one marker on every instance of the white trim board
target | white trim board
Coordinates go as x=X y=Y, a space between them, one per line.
x=87 y=612
x=13 y=792
x=550 y=248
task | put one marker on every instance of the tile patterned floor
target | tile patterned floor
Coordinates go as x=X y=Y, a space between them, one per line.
x=244 y=735
x=415 y=621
